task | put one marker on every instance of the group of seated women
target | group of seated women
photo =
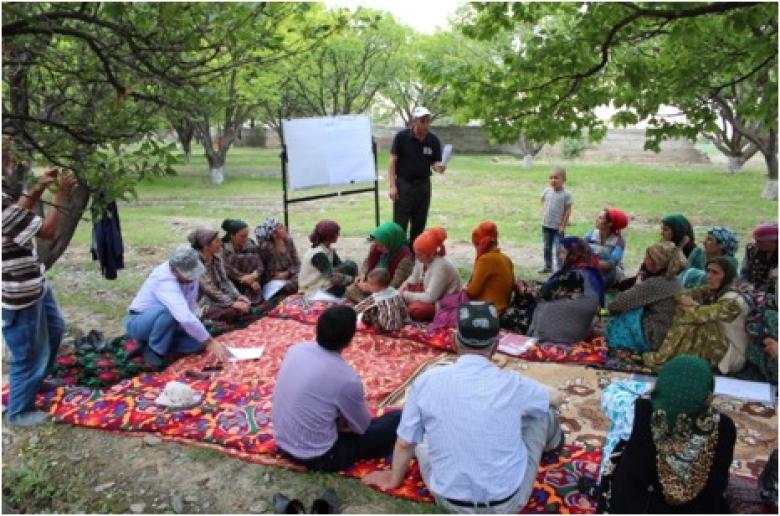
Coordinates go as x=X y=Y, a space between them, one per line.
x=682 y=299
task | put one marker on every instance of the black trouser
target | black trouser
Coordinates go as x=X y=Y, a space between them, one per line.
x=378 y=441
x=414 y=199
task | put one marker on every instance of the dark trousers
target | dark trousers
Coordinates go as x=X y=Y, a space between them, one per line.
x=414 y=199
x=377 y=441
x=552 y=239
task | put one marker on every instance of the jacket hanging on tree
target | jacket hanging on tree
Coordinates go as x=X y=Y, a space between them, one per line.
x=107 y=240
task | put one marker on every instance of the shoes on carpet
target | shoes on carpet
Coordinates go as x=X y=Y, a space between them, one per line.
x=328 y=503
x=28 y=419
x=152 y=358
x=283 y=505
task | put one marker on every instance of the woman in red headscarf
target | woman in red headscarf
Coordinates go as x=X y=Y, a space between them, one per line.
x=493 y=277
x=321 y=267
x=608 y=245
x=433 y=276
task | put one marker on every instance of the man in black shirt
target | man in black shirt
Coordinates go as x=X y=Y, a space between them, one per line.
x=414 y=152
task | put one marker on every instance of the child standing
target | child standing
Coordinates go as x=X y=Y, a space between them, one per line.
x=555 y=215
x=384 y=308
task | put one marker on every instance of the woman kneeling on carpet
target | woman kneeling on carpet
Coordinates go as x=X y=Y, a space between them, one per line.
x=569 y=300
x=434 y=276
x=243 y=265
x=162 y=315
x=280 y=257
x=219 y=298
x=389 y=250
x=322 y=268
x=643 y=314
x=678 y=456
x=709 y=322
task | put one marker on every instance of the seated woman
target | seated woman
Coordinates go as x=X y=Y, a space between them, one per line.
x=389 y=250
x=243 y=265
x=280 y=258
x=678 y=456
x=322 y=268
x=569 y=300
x=433 y=277
x=643 y=314
x=493 y=277
x=762 y=348
x=676 y=228
x=720 y=241
x=219 y=298
x=759 y=268
x=607 y=244
x=709 y=322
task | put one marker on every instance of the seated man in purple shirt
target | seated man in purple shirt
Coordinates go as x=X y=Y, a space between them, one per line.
x=162 y=316
x=320 y=415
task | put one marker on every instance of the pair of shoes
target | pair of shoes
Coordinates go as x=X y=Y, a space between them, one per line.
x=152 y=358
x=49 y=384
x=28 y=419
x=546 y=270
x=283 y=505
x=92 y=341
x=328 y=503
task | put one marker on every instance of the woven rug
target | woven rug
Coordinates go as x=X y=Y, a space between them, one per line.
x=590 y=351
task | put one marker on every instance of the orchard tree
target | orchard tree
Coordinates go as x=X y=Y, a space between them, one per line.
x=569 y=58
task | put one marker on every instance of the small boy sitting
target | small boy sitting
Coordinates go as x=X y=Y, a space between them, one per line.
x=384 y=308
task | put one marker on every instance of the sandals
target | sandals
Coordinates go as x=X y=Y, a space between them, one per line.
x=326 y=504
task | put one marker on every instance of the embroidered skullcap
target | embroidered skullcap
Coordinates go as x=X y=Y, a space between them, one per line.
x=477 y=324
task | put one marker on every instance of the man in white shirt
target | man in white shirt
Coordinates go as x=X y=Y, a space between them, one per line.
x=163 y=315
x=478 y=432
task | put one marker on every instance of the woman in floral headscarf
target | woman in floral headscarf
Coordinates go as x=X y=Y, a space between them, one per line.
x=280 y=258
x=720 y=241
x=644 y=313
x=608 y=245
x=759 y=268
x=678 y=456
x=570 y=298
x=389 y=250
x=708 y=322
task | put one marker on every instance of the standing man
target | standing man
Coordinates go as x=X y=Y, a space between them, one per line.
x=478 y=432
x=32 y=322
x=414 y=152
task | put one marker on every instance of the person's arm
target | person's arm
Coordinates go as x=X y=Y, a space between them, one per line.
x=392 y=189
x=351 y=403
x=724 y=310
x=170 y=296
x=479 y=278
x=402 y=271
x=403 y=453
x=66 y=182
x=322 y=264
x=641 y=294
x=565 y=218
x=213 y=292
x=295 y=268
x=437 y=283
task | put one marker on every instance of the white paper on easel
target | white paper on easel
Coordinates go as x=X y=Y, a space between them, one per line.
x=446 y=153
x=238 y=354
x=272 y=287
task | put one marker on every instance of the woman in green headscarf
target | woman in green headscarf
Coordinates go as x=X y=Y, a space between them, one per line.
x=678 y=456
x=676 y=228
x=709 y=322
x=389 y=250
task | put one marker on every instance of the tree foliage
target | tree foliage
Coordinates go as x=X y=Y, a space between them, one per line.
x=565 y=59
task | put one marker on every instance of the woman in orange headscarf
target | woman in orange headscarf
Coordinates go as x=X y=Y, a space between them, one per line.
x=493 y=277
x=433 y=276
x=608 y=245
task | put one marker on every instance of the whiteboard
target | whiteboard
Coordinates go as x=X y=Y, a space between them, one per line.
x=328 y=151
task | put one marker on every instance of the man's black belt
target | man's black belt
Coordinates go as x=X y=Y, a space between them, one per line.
x=416 y=180
x=463 y=503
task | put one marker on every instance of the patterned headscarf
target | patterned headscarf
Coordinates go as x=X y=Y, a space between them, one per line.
x=684 y=427
x=578 y=254
x=265 y=230
x=392 y=237
x=324 y=230
x=484 y=236
x=431 y=242
x=765 y=231
x=725 y=238
x=617 y=218
x=668 y=257
x=680 y=227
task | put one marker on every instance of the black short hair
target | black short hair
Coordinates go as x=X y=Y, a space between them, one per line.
x=336 y=327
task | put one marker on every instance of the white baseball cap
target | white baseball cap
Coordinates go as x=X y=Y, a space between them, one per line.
x=420 y=112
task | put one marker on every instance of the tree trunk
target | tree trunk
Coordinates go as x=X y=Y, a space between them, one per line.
x=50 y=250
x=770 y=156
x=216 y=166
x=735 y=164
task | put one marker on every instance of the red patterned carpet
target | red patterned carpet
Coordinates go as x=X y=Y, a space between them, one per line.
x=235 y=415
